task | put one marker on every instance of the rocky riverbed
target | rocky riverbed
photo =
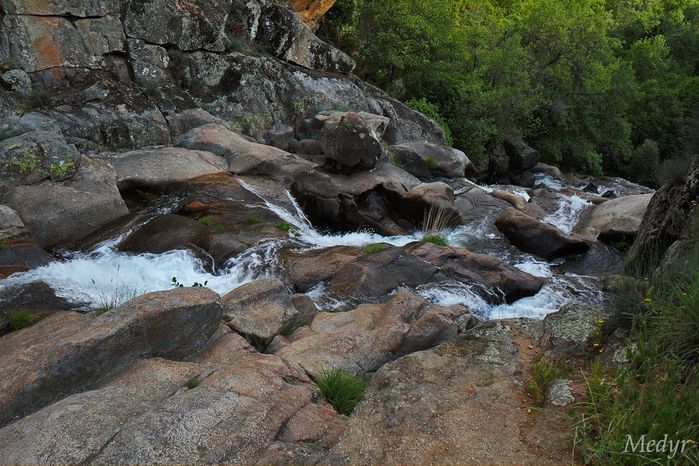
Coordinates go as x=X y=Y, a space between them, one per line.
x=207 y=211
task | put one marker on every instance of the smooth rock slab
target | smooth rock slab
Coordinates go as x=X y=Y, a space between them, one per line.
x=68 y=351
x=617 y=219
x=243 y=156
x=159 y=167
x=362 y=340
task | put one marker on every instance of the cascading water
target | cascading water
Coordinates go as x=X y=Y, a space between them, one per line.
x=104 y=276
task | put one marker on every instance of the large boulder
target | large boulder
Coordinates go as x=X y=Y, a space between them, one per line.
x=57 y=213
x=68 y=352
x=512 y=157
x=460 y=402
x=36 y=156
x=349 y=145
x=423 y=159
x=614 y=220
x=375 y=275
x=160 y=167
x=531 y=235
x=362 y=340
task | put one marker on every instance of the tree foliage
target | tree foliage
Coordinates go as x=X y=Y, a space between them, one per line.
x=592 y=84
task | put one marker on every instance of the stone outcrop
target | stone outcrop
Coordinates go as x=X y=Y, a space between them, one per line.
x=456 y=403
x=671 y=217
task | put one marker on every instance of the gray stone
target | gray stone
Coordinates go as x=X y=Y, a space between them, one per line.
x=286 y=37
x=149 y=63
x=35 y=156
x=423 y=159
x=19 y=81
x=57 y=213
x=613 y=220
x=531 y=235
x=10 y=223
x=570 y=329
x=79 y=8
x=349 y=145
x=188 y=25
x=559 y=393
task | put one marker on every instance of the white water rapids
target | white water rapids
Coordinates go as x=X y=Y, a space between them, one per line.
x=106 y=277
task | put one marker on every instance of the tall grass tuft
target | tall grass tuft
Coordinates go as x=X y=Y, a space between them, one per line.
x=342 y=389
x=655 y=394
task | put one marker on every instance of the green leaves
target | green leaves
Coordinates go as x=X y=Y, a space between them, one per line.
x=585 y=82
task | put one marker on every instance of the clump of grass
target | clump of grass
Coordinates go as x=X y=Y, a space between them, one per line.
x=21 y=318
x=252 y=219
x=209 y=221
x=283 y=226
x=544 y=371
x=192 y=383
x=374 y=248
x=439 y=240
x=431 y=162
x=655 y=393
x=342 y=389
x=437 y=219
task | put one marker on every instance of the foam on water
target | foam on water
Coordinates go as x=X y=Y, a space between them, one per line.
x=557 y=292
x=568 y=213
x=106 y=276
x=307 y=233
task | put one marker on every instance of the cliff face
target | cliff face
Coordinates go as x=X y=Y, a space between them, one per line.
x=252 y=64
